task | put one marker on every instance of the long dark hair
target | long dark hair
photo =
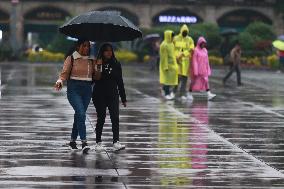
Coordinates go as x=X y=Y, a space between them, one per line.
x=104 y=48
x=76 y=46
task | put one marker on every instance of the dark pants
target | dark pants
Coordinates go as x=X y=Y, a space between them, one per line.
x=180 y=89
x=232 y=69
x=101 y=102
x=166 y=89
x=79 y=95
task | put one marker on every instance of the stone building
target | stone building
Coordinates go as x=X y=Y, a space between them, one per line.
x=23 y=20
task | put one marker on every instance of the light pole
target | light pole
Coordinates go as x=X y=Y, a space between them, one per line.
x=13 y=28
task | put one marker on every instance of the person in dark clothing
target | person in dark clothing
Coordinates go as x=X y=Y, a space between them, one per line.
x=106 y=94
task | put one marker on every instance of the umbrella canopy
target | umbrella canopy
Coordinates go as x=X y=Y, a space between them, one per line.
x=228 y=32
x=152 y=36
x=278 y=45
x=101 y=26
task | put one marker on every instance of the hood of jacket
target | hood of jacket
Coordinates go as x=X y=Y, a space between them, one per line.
x=200 y=40
x=168 y=36
x=184 y=28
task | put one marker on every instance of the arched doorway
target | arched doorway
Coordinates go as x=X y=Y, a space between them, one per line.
x=175 y=16
x=130 y=16
x=4 y=25
x=41 y=24
x=239 y=19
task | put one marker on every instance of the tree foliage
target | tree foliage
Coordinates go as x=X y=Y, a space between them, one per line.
x=60 y=44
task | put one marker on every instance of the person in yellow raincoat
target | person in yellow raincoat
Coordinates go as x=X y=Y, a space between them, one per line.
x=184 y=46
x=168 y=65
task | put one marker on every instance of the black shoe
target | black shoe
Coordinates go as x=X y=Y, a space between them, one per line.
x=85 y=147
x=73 y=145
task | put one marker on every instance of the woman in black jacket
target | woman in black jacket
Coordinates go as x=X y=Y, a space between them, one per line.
x=106 y=94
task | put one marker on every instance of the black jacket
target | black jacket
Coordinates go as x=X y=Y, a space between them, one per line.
x=111 y=82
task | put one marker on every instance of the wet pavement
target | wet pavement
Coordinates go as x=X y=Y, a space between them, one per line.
x=234 y=141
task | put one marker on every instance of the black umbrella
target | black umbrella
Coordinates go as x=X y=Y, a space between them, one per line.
x=228 y=32
x=153 y=36
x=101 y=26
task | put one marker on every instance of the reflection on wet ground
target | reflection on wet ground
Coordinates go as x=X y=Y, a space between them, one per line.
x=234 y=141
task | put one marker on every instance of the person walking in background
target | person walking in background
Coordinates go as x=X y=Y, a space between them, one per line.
x=235 y=58
x=168 y=67
x=77 y=71
x=106 y=94
x=184 y=46
x=200 y=69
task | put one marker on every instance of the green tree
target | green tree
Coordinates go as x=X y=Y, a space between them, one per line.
x=209 y=31
x=257 y=39
x=60 y=44
x=260 y=31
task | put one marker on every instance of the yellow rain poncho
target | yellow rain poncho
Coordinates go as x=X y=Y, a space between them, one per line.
x=168 y=63
x=183 y=48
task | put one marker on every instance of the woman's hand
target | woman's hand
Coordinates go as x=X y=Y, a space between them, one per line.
x=58 y=85
x=124 y=104
x=98 y=65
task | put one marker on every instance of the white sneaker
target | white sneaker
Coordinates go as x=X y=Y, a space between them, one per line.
x=99 y=147
x=189 y=96
x=117 y=146
x=183 y=98
x=172 y=95
x=210 y=95
x=168 y=97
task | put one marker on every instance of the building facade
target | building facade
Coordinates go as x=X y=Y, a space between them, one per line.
x=23 y=20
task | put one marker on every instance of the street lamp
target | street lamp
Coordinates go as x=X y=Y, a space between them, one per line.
x=13 y=27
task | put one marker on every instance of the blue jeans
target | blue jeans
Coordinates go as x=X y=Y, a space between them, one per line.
x=79 y=94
